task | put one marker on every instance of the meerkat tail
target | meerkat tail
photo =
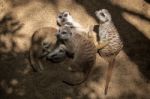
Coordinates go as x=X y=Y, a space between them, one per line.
x=33 y=64
x=78 y=83
x=31 y=60
x=108 y=75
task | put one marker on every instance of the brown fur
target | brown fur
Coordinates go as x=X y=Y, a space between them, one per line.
x=84 y=55
x=47 y=36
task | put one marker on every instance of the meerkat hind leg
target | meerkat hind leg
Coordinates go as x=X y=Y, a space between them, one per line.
x=40 y=66
x=109 y=74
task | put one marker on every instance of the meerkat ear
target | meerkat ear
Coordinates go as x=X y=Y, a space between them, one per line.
x=59 y=11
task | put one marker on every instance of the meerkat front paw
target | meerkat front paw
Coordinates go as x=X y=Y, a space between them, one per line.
x=101 y=45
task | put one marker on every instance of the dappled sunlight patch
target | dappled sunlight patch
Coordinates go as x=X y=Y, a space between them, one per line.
x=36 y=15
x=14 y=82
x=140 y=24
x=13 y=87
x=20 y=91
x=26 y=68
x=6 y=87
x=68 y=97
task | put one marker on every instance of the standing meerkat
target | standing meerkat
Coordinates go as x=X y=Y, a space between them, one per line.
x=43 y=42
x=110 y=42
x=83 y=49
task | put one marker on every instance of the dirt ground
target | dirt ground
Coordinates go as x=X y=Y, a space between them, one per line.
x=20 y=18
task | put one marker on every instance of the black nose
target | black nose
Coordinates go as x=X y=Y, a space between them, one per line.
x=63 y=20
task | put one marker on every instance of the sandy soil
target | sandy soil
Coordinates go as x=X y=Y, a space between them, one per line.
x=20 y=18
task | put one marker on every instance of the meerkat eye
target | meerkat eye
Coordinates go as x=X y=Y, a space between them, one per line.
x=71 y=26
x=102 y=14
x=65 y=15
x=60 y=17
x=64 y=32
x=61 y=50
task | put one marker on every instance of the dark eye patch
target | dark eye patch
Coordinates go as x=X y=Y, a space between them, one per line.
x=60 y=17
x=64 y=32
x=102 y=14
x=65 y=15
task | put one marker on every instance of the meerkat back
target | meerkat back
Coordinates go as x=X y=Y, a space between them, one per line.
x=84 y=51
x=43 y=39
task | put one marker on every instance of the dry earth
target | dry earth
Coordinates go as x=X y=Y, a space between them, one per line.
x=20 y=18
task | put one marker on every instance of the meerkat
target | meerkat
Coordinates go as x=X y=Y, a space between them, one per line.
x=65 y=18
x=83 y=49
x=110 y=41
x=43 y=42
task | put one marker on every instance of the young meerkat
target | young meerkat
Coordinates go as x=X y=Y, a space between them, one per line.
x=84 y=52
x=110 y=42
x=65 y=18
x=43 y=42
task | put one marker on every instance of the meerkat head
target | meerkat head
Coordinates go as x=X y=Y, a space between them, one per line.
x=103 y=15
x=58 y=54
x=64 y=32
x=63 y=18
x=46 y=47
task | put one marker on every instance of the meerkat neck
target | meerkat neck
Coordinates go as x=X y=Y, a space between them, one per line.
x=107 y=22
